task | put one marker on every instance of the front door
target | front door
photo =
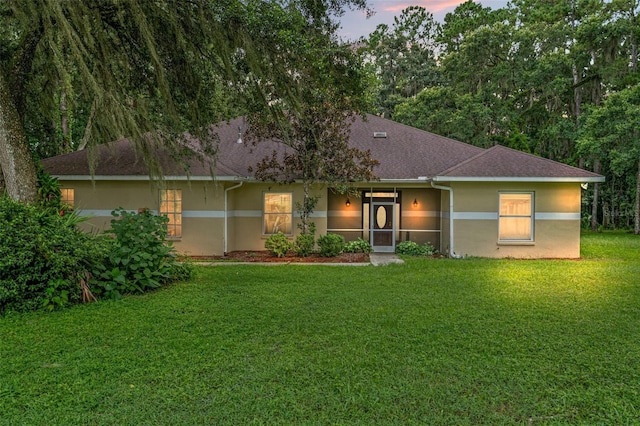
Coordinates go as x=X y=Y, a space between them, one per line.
x=383 y=237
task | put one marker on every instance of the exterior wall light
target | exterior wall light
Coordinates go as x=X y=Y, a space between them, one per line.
x=348 y=203
x=415 y=202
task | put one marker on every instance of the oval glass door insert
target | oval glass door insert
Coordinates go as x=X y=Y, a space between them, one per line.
x=381 y=217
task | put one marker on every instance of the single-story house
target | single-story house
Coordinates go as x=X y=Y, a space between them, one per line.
x=464 y=200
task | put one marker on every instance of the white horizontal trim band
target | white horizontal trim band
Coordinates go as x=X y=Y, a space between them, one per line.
x=204 y=214
x=381 y=230
x=420 y=214
x=103 y=213
x=475 y=216
x=219 y=214
x=557 y=216
x=344 y=213
x=494 y=216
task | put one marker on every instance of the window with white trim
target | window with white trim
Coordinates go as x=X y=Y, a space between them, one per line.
x=277 y=213
x=171 y=207
x=515 y=216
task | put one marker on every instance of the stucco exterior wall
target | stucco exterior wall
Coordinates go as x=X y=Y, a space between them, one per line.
x=419 y=222
x=202 y=206
x=475 y=216
x=445 y=238
x=245 y=206
x=203 y=210
x=556 y=220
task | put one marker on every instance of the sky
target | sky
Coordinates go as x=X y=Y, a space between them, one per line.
x=356 y=25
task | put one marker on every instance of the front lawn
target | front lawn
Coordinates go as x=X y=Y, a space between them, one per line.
x=433 y=341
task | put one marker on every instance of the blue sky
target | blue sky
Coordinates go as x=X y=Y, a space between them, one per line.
x=356 y=24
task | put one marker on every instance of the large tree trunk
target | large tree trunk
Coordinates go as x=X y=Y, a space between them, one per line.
x=16 y=162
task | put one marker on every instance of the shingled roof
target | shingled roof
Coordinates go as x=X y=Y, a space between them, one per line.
x=502 y=163
x=405 y=153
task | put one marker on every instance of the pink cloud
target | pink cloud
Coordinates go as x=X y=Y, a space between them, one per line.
x=432 y=6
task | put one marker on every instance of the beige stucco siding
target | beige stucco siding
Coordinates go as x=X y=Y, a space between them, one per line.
x=445 y=238
x=419 y=222
x=246 y=208
x=556 y=220
x=475 y=215
x=202 y=206
x=203 y=210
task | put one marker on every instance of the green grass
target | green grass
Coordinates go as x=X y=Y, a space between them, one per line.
x=433 y=341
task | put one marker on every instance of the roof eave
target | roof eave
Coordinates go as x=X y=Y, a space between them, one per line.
x=584 y=179
x=145 y=178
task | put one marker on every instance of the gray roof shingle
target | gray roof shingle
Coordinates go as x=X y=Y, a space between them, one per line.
x=406 y=153
x=502 y=162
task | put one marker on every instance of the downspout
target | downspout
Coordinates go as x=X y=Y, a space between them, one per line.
x=226 y=215
x=452 y=253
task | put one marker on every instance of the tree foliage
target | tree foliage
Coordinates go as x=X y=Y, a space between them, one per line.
x=611 y=134
x=534 y=76
x=147 y=70
x=316 y=138
x=403 y=57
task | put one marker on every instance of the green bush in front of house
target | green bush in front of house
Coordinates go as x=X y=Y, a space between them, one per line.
x=358 y=246
x=304 y=244
x=278 y=244
x=43 y=257
x=411 y=248
x=47 y=262
x=140 y=257
x=331 y=245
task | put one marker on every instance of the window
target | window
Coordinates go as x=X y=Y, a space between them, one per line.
x=171 y=206
x=516 y=217
x=278 y=213
x=67 y=197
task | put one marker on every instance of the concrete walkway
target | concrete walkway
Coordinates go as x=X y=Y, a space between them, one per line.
x=380 y=259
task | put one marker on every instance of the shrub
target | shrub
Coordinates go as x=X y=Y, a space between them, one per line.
x=412 y=248
x=140 y=257
x=304 y=244
x=278 y=244
x=43 y=257
x=358 y=246
x=331 y=245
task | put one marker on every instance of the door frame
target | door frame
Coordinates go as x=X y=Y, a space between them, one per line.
x=373 y=207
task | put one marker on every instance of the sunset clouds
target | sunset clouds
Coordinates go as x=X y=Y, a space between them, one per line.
x=356 y=24
x=433 y=6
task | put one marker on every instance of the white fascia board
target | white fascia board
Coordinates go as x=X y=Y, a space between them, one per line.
x=411 y=180
x=518 y=179
x=147 y=178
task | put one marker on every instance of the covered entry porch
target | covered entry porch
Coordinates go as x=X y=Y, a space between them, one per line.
x=387 y=215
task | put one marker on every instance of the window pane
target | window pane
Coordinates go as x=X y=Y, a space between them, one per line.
x=67 y=196
x=515 y=204
x=516 y=216
x=171 y=207
x=278 y=213
x=515 y=228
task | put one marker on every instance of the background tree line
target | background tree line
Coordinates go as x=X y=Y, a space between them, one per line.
x=558 y=79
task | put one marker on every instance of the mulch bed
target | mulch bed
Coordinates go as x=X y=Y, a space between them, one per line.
x=265 y=256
